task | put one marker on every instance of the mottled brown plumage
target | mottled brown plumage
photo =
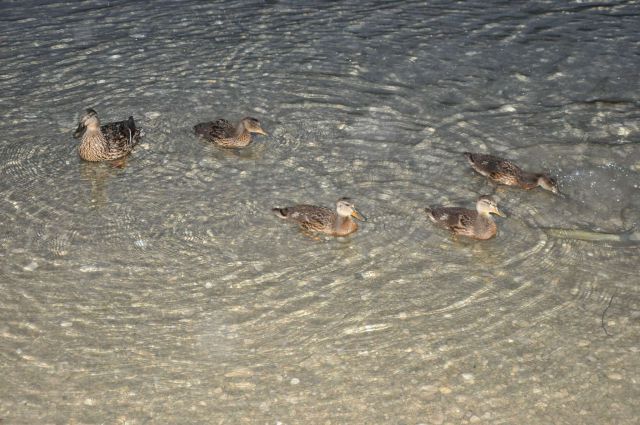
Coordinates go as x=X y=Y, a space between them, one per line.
x=461 y=221
x=107 y=142
x=323 y=220
x=226 y=135
x=503 y=171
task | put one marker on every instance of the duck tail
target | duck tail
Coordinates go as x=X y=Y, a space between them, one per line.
x=280 y=212
x=200 y=129
x=429 y=212
x=468 y=155
x=134 y=132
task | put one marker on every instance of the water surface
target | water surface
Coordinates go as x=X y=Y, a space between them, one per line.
x=166 y=291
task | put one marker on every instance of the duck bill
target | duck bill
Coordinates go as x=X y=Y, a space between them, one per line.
x=79 y=131
x=355 y=214
x=500 y=213
x=261 y=131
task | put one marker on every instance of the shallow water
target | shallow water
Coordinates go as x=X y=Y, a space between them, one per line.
x=167 y=292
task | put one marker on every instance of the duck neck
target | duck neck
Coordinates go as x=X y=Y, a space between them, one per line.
x=92 y=132
x=529 y=180
x=484 y=227
x=485 y=215
x=242 y=135
x=240 y=130
x=344 y=225
x=484 y=221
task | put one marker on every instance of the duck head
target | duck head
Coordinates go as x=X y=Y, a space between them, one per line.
x=88 y=121
x=345 y=208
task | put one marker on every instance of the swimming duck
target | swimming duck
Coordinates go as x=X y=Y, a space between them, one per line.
x=224 y=134
x=323 y=220
x=108 y=142
x=473 y=224
x=503 y=171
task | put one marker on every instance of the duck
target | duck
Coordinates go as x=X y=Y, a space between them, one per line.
x=226 y=135
x=476 y=224
x=503 y=171
x=106 y=142
x=314 y=219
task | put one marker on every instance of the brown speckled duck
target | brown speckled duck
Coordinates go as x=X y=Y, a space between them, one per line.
x=503 y=171
x=224 y=134
x=461 y=221
x=323 y=220
x=108 y=142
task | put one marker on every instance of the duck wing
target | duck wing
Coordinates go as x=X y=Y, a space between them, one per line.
x=121 y=136
x=309 y=217
x=452 y=218
x=498 y=169
x=487 y=163
x=214 y=130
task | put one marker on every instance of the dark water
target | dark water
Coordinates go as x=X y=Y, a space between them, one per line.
x=166 y=291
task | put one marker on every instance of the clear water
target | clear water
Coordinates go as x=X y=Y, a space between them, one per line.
x=167 y=292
